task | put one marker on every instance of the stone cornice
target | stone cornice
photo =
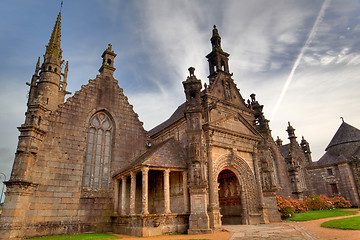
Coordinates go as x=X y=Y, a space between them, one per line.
x=209 y=127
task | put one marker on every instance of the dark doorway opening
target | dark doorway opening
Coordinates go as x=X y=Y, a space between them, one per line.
x=229 y=198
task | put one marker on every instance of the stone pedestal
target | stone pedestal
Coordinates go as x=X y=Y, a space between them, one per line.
x=215 y=217
x=270 y=211
x=13 y=218
x=199 y=219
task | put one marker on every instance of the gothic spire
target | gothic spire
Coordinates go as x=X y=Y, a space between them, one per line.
x=53 y=52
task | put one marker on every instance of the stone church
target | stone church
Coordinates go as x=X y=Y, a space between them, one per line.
x=87 y=164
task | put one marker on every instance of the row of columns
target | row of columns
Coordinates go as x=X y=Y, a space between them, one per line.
x=145 y=194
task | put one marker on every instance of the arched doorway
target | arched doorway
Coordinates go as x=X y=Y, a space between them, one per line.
x=230 y=197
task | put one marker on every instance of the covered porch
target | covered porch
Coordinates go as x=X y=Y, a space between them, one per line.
x=151 y=196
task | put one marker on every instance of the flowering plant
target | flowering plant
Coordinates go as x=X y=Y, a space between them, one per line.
x=287 y=207
x=319 y=202
x=340 y=202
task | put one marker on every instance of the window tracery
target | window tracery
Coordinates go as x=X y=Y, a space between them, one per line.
x=98 y=153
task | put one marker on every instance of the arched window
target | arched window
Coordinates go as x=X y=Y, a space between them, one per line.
x=96 y=172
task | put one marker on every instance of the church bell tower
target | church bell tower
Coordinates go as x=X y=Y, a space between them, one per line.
x=47 y=92
x=218 y=59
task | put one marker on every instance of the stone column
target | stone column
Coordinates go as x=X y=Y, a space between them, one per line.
x=116 y=196
x=212 y=179
x=185 y=192
x=258 y=181
x=132 y=193
x=245 y=211
x=145 y=171
x=214 y=209
x=167 y=190
x=123 y=195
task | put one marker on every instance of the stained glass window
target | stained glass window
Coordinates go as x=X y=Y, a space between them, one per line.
x=98 y=153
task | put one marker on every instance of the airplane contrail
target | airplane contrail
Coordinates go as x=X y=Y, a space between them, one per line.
x=311 y=36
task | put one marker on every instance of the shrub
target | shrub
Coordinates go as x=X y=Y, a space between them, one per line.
x=285 y=207
x=318 y=202
x=340 y=202
x=299 y=205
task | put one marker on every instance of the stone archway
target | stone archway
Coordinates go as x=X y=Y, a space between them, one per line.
x=230 y=198
x=249 y=189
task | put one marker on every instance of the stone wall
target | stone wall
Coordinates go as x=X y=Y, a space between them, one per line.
x=340 y=176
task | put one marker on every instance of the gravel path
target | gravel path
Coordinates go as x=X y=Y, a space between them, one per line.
x=330 y=233
x=284 y=230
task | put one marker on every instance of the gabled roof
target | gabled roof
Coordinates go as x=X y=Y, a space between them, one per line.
x=168 y=154
x=176 y=116
x=345 y=134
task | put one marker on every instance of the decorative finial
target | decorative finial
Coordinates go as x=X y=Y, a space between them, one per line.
x=110 y=47
x=215 y=39
x=252 y=96
x=342 y=119
x=215 y=31
x=191 y=71
x=37 y=68
x=66 y=70
x=279 y=141
x=291 y=131
x=62 y=2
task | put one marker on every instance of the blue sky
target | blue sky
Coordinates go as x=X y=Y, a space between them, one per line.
x=156 y=41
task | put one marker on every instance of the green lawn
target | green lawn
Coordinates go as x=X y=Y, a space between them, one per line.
x=312 y=215
x=352 y=223
x=87 y=236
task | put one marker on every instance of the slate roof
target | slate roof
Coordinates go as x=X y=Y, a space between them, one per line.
x=345 y=134
x=166 y=154
x=176 y=116
x=284 y=149
x=330 y=159
x=357 y=153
